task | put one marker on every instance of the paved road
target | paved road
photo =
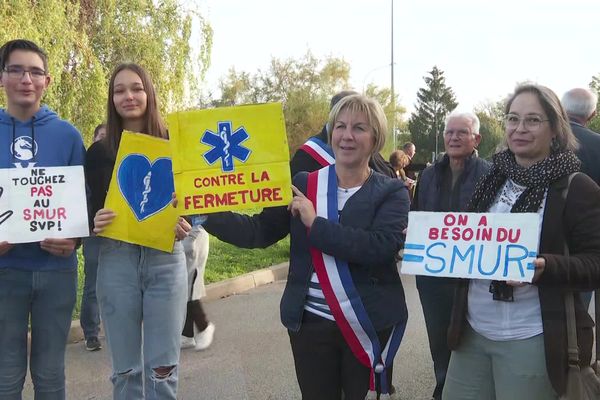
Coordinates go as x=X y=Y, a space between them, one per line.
x=250 y=358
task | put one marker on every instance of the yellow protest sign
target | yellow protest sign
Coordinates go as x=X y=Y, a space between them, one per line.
x=140 y=193
x=230 y=158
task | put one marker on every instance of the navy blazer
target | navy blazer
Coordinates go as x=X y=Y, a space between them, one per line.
x=367 y=236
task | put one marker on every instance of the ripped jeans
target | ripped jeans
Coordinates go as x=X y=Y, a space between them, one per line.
x=142 y=294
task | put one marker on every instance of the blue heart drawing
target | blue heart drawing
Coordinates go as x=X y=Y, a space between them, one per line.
x=147 y=187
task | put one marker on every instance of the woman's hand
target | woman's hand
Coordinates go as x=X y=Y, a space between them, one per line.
x=174 y=201
x=539 y=264
x=103 y=218
x=5 y=247
x=59 y=247
x=302 y=207
x=182 y=228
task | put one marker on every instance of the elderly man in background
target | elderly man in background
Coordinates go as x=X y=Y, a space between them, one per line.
x=446 y=186
x=580 y=106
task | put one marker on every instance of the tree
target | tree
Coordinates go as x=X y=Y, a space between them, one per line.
x=394 y=113
x=304 y=86
x=595 y=123
x=491 y=129
x=426 y=124
x=86 y=39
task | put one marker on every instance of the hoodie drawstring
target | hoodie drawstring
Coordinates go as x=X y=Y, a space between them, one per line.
x=33 y=152
x=12 y=145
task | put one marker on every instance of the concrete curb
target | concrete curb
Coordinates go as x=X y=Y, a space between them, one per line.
x=217 y=290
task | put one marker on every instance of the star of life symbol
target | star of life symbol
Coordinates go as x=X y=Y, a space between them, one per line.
x=226 y=145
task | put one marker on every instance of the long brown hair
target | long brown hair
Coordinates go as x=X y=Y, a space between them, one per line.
x=153 y=122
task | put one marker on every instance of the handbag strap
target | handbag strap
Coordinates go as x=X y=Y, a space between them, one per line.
x=572 y=346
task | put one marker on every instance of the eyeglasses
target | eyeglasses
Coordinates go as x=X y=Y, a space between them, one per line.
x=460 y=134
x=530 y=122
x=18 y=72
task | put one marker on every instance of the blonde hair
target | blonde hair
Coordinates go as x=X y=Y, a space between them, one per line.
x=370 y=108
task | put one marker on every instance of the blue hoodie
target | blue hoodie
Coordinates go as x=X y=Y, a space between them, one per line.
x=43 y=141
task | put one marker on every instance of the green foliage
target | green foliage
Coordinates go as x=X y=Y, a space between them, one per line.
x=426 y=124
x=304 y=86
x=491 y=128
x=86 y=39
x=595 y=122
x=394 y=113
x=227 y=261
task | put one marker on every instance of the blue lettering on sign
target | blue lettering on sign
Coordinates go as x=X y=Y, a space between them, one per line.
x=436 y=258
x=442 y=261
x=493 y=271
x=226 y=145
x=518 y=259
x=456 y=252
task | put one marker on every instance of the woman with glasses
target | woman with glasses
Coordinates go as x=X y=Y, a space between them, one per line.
x=509 y=338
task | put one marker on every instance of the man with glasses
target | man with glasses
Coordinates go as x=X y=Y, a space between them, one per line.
x=447 y=186
x=38 y=281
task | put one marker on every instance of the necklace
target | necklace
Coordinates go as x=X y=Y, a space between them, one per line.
x=346 y=190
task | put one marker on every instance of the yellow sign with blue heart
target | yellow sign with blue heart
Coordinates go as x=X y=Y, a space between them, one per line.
x=230 y=158
x=140 y=193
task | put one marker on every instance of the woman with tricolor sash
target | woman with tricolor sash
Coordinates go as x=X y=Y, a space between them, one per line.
x=343 y=304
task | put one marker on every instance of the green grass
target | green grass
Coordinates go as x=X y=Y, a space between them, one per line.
x=224 y=261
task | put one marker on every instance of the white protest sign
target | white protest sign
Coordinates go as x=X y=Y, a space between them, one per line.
x=472 y=245
x=41 y=203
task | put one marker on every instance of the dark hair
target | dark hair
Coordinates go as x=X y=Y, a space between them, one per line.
x=559 y=122
x=97 y=129
x=21 y=44
x=153 y=123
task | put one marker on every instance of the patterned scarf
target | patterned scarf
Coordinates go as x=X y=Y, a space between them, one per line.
x=536 y=179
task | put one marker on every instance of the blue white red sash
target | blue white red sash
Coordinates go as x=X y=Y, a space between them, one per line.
x=319 y=150
x=341 y=294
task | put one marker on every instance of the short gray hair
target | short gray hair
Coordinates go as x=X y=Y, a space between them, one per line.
x=580 y=102
x=471 y=116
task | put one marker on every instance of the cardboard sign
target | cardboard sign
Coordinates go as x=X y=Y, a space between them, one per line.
x=41 y=203
x=230 y=158
x=471 y=245
x=140 y=193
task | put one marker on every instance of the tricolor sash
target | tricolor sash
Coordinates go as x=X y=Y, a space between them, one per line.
x=341 y=294
x=319 y=150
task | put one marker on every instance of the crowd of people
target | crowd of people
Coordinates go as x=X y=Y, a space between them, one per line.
x=343 y=304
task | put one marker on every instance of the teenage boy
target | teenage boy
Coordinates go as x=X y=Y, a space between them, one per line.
x=38 y=281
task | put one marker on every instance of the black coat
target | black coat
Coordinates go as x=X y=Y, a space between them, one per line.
x=589 y=150
x=575 y=221
x=428 y=194
x=368 y=236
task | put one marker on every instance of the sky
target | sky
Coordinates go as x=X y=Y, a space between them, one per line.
x=484 y=47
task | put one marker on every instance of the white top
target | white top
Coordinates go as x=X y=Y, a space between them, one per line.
x=315 y=300
x=501 y=320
